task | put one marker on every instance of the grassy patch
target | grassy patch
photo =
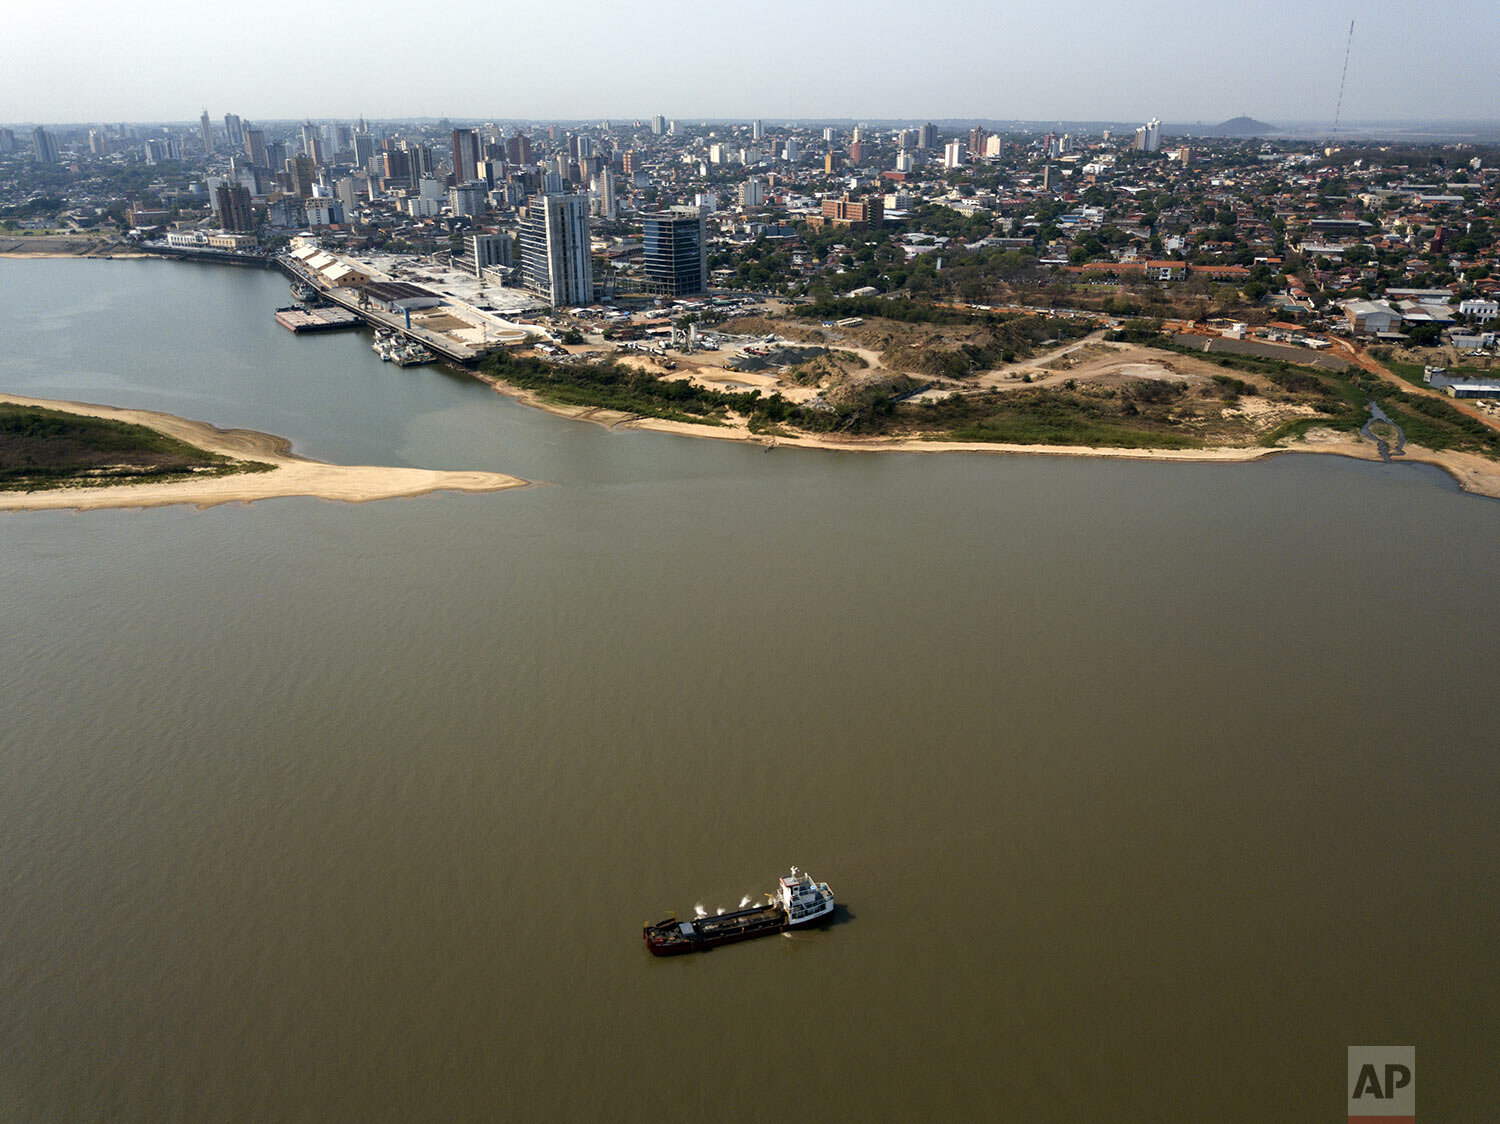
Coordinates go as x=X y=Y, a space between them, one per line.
x=1055 y=417
x=1435 y=424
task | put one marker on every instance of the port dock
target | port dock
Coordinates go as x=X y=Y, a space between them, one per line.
x=451 y=327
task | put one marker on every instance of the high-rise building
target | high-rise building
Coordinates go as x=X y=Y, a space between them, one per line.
x=753 y=192
x=518 y=149
x=309 y=139
x=828 y=136
x=604 y=189
x=346 y=191
x=206 y=131
x=233 y=204
x=304 y=172
x=487 y=251
x=555 y=249
x=419 y=157
x=994 y=145
x=856 y=152
x=234 y=130
x=954 y=154
x=676 y=246
x=395 y=165
x=789 y=153
x=7 y=142
x=977 y=136
x=492 y=172
x=927 y=136
x=467 y=198
x=831 y=163
x=757 y=130
x=658 y=125
x=465 y=155
x=1148 y=136
x=44 y=146
x=364 y=147
x=255 y=147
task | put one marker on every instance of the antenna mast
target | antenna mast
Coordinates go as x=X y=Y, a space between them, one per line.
x=1338 y=112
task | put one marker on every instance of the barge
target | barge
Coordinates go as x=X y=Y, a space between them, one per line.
x=797 y=900
x=298 y=319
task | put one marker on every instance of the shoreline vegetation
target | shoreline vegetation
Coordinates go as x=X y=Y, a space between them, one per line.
x=1170 y=405
x=1472 y=473
x=80 y=456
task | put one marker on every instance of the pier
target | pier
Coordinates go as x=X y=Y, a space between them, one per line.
x=348 y=300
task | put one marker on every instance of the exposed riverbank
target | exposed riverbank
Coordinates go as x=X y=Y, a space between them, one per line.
x=65 y=246
x=290 y=475
x=1472 y=472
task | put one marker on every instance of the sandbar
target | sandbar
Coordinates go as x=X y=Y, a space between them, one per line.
x=291 y=475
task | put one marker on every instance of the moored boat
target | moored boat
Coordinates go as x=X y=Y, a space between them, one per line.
x=797 y=900
x=412 y=354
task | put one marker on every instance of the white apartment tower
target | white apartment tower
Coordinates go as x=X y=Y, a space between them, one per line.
x=555 y=249
x=1148 y=136
x=604 y=192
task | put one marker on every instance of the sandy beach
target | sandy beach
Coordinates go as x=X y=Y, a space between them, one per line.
x=291 y=476
x=1473 y=473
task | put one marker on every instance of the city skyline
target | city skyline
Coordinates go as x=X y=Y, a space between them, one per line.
x=1087 y=62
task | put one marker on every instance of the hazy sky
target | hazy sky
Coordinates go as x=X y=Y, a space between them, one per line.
x=1181 y=60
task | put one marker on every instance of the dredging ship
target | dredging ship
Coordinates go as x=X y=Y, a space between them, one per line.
x=797 y=900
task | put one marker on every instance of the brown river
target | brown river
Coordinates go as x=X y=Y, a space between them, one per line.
x=1146 y=790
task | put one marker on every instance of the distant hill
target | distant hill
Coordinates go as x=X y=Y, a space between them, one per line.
x=1241 y=127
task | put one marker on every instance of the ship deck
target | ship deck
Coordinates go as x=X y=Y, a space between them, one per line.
x=724 y=924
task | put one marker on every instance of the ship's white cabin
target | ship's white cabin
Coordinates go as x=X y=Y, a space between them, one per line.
x=803 y=899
